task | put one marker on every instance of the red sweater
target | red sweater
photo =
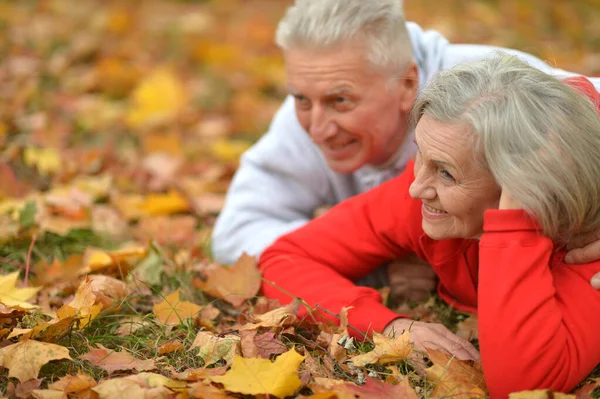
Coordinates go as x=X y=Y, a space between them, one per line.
x=539 y=323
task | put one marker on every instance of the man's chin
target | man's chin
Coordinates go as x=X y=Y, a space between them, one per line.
x=345 y=166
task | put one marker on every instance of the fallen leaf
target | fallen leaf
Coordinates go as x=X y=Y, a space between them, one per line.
x=263 y=345
x=73 y=383
x=25 y=359
x=540 y=394
x=451 y=376
x=202 y=391
x=111 y=361
x=585 y=392
x=10 y=295
x=280 y=317
x=23 y=389
x=164 y=204
x=387 y=350
x=212 y=348
x=467 y=328
x=261 y=376
x=82 y=306
x=173 y=311
x=46 y=160
x=197 y=374
x=142 y=385
x=372 y=389
x=107 y=290
x=234 y=284
x=169 y=347
x=158 y=97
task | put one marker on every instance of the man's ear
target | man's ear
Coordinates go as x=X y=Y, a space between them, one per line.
x=409 y=87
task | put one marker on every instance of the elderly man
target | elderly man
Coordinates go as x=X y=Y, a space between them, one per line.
x=354 y=68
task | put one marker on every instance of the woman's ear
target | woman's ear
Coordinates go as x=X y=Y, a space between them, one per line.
x=409 y=87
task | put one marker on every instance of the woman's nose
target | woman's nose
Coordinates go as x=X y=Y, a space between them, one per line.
x=421 y=187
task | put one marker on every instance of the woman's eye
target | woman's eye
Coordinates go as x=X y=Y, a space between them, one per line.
x=446 y=175
x=340 y=100
x=300 y=98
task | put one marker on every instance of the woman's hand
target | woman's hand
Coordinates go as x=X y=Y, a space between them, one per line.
x=411 y=279
x=433 y=336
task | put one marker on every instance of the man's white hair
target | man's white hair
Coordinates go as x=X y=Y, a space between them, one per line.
x=325 y=24
x=538 y=136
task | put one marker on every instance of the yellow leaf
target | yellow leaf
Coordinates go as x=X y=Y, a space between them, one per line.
x=46 y=160
x=96 y=259
x=73 y=383
x=160 y=96
x=165 y=204
x=459 y=379
x=172 y=311
x=213 y=348
x=10 y=295
x=540 y=394
x=24 y=359
x=82 y=306
x=387 y=350
x=261 y=376
x=229 y=151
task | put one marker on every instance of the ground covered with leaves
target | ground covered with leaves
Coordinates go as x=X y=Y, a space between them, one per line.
x=121 y=124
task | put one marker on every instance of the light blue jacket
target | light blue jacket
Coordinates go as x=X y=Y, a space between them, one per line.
x=283 y=178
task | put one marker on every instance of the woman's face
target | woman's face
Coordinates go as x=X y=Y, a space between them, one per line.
x=454 y=188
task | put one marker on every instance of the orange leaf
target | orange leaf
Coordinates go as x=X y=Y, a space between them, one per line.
x=172 y=311
x=110 y=360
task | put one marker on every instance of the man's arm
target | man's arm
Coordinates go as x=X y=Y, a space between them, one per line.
x=280 y=182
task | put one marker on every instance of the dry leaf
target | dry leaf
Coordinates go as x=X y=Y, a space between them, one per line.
x=82 y=306
x=142 y=385
x=387 y=350
x=212 y=348
x=173 y=311
x=10 y=295
x=467 y=328
x=111 y=361
x=372 y=389
x=46 y=160
x=459 y=378
x=107 y=290
x=540 y=394
x=261 y=376
x=234 y=284
x=263 y=345
x=160 y=96
x=79 y=384
x=169 y=347
x=280 y=317
x=202 y=391
x=25 y=359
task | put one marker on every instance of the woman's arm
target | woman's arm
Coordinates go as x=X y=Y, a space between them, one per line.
x=318 y=261
x=538 y=324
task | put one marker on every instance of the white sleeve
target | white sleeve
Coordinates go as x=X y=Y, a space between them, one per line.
x=281 y=180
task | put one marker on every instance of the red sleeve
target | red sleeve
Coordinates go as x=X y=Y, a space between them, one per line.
x=318 y=261
x=538 y=317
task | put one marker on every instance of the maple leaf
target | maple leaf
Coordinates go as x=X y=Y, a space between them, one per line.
x=160 y=96
x=280 y=317
x=46 y=160
x=212 y=348
x=25 y=359
x=111 y=361
x=233 y=284
x=78 y=384
x=454 y=377
x=96 y=259
x=263 y=345
x=173 y=311
x=254 y=376
x=82 y=306
x=387 y=350
x=372 y=389
x=10 y=295
x=107 y=290
x=171 y=346
x=142 y=385
x=201 y=390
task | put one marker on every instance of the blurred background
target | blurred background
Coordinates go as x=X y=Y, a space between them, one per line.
x=145 y=106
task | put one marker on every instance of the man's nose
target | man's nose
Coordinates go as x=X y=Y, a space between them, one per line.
x=422 y=187
x=321 y=126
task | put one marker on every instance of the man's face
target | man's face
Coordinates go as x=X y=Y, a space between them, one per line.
x=351 y=111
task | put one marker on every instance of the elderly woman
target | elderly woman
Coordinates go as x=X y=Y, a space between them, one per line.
x=504 y=178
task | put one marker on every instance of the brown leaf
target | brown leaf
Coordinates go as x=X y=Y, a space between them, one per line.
x=268 y=344
x=280 y=317
x=467 y=328
x=199 y=374
x=372 y=389
x=108 y=290
x=585 y=392
x=233 y=284
x=73 y=383
x=169 y=347
x=212 y=348
x=23 y=389
x=25 y=359
x=143 y=385
x=459 y=378
x=111 y=361
x=202 y=391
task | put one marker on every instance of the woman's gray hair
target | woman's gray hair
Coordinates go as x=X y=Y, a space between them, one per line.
x=325 y=24
x=538 y=136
